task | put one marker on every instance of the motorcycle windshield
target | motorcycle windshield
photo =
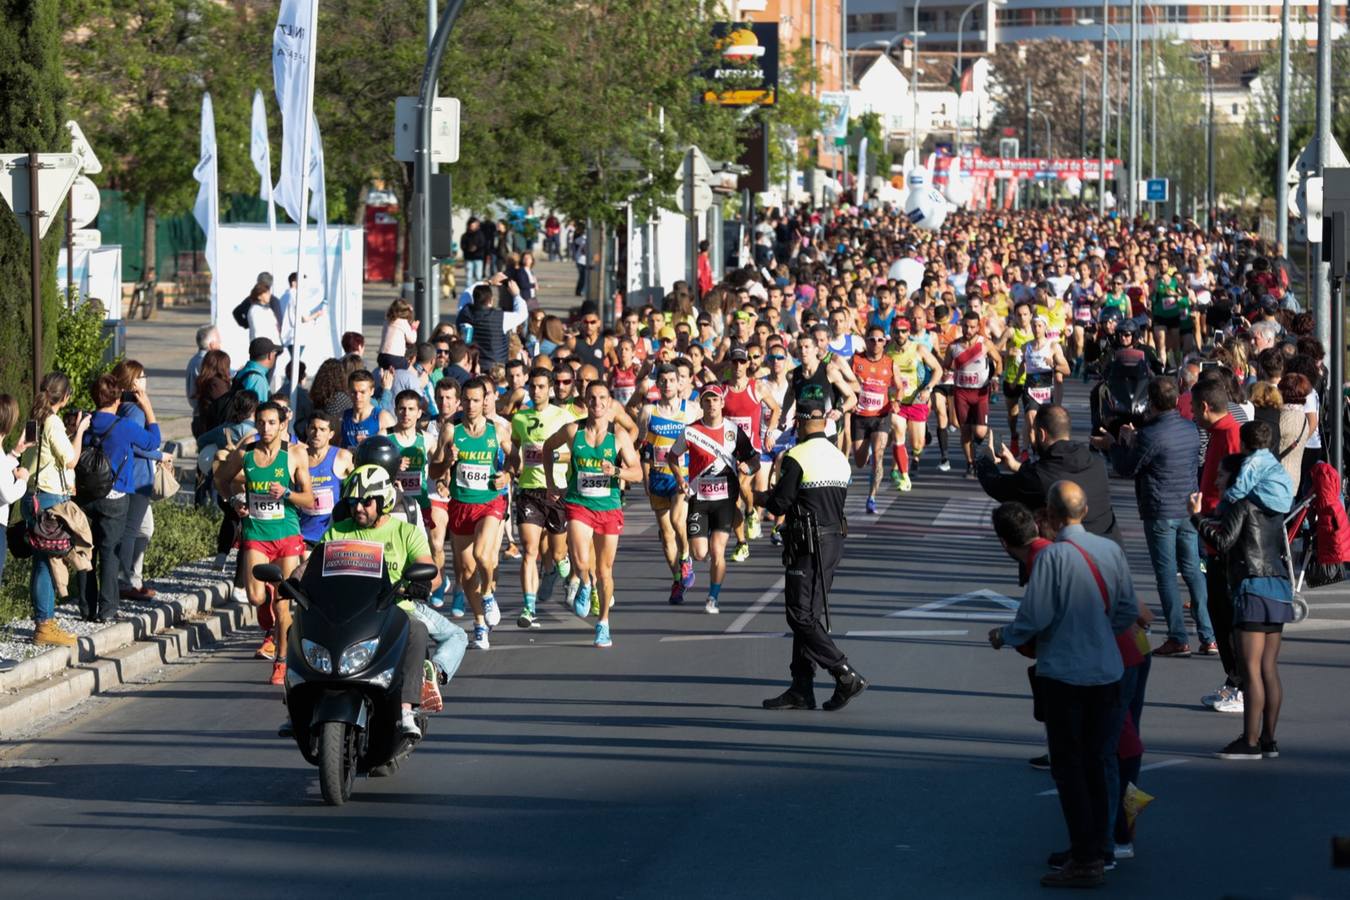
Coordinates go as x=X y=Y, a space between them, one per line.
x=346 y=579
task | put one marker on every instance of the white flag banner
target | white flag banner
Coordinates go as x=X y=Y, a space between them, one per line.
x=260 y=151
x=318 y=204
x=292 y=56
x=207 y=208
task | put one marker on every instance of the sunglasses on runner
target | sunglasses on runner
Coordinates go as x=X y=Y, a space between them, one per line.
x=563 y=380
x=774 y=357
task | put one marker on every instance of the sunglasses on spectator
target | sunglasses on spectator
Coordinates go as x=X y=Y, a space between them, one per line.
x=563 y=380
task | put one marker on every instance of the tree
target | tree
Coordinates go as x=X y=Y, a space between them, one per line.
x=1056 y=72
x=138 y=74
x=32 y=110
x=794 y=119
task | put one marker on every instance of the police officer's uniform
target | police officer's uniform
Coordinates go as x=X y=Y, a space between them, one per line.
x=811 y=489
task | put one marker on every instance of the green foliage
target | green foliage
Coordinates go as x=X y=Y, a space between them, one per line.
x=868 y=125
x=81 y=349
x=14 y=601
x=32 y=109
x=1062 y=84
x=183 y=534
x=794 y=120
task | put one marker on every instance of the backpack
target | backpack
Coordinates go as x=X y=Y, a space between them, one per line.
x=94 y=474
x=240 y=313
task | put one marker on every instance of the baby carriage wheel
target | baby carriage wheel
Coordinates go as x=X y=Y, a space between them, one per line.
x=1300 y=608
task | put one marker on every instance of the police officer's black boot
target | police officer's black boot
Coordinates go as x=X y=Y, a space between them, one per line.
x=847 y=685
x=801 y=695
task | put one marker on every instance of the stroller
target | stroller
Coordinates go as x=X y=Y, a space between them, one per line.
x=1327 y=540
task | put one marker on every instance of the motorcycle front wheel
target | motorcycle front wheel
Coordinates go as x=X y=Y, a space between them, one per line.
x=337 y=762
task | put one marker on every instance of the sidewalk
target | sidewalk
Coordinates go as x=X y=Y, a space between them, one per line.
x=165 y=344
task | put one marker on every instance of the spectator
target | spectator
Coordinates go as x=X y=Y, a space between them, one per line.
x=255 y=376
x=50 y=461
x=353 y=343
x=490 y=323
x=1160 y=458
x=13 y=477
x=1211 y=408
x=139 y=525
x=1078 y=671
x=473 y=245
x=1059 y=458
x=329 y=391
x=1294 y=430
x=208 y=339
x=1252 y=539
x=120 y=435
x=211 y=390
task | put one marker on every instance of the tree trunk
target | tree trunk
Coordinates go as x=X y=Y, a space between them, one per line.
x=148 y=269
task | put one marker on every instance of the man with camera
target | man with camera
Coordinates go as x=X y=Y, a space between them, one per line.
x=810 y=493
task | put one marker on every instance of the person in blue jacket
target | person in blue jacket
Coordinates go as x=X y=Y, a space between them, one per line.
x=140 y=523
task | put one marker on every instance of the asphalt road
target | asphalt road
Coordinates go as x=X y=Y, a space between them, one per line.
x=649 y=770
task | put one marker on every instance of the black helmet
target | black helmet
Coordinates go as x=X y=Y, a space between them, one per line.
x=378 y=450
x=1130 y=327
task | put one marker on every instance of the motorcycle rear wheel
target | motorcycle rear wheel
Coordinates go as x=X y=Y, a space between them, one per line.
x=337 y=762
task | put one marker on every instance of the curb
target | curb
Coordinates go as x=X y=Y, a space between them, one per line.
x=57 y=680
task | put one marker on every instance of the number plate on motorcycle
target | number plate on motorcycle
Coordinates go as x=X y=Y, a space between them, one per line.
x=362 y=558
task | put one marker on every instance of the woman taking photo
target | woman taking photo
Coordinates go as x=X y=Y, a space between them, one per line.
x=50 y=460
x=1252 y=537
x=140 y=518
x=13 y=477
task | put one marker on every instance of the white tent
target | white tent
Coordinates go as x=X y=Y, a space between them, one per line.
x=98 y=274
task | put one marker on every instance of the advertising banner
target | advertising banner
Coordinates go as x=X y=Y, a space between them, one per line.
x=746 y=68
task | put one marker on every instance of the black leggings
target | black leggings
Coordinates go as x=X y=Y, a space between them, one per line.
x=1221 y=615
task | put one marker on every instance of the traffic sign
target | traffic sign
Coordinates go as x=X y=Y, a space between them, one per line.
x=84 y=201
x=79 y=145
x=1306 y=162
x=702 y=198
x=444 y=129
x=87 y=239
x=56 y=173
x=1155 y=190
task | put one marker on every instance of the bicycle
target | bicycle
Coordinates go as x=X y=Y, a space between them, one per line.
x=142 y=300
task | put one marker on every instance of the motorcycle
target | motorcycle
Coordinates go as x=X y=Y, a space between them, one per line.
x=1121 y=395
x=343 y=663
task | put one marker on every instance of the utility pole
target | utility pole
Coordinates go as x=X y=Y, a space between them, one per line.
x=1211 y=212
x=1135 y=168
x=1320 y=270
x=1282 y=168
x=1026 y=132
x=1101 y=149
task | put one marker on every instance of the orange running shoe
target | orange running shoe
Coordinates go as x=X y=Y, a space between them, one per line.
x=267 y=650
x=278 y=673
x=431 y=691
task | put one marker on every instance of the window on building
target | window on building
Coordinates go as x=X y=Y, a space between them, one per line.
x=1177 y=14
x=1211 y=13
x=881 y=21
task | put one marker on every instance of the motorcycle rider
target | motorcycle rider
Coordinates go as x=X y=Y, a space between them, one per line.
x=1123 y=363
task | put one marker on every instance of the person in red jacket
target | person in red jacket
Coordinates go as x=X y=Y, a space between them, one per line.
x=1209 y=406
x=705 y=278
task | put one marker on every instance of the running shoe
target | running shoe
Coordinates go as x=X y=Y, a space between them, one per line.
x=686 y=573
x=602 y=635
x=437 y=598
x=752 y=526
x=480 y=638
x=267 y=650
x=582 y=604
x=970 y=472
x=512 y=552
x=594 y=608
x=711 y=606
x=905 y=484
x=492 y=612
x=872 y=506
x=776 y=537
x=1124 y=851
x=952 y=429
x=431 y=692
x=238 y=595
x=565 y=568
x=572 y=587
x=547 y=582
x=407 y=725
x=676 y=594
x=457 y=605
x=1240 y=749
x=1233 y=704
x=914 y=461
x=944 y=466
x=741 y=553
x=1225 y=692
x=278 y=672
x=528 y=619
x=895 y=478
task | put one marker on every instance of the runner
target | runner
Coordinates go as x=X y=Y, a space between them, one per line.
x=438 y=491
x=659 y=424
x=364 y=418
x=328 y=466
x=1014 y=376
x=719 y=450
x=917 y=371
x=942 y=335
x=268 y=483
x=972 y=360
x=477 y=504
x=745 y=407
x=602 y=456
x=774 y=385
x=537 y=513
x=879 y=375
x=1042 y=360
x=828 y=375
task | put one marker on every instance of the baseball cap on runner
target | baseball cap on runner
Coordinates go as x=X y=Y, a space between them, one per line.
x=737 y=354
x=901 y=325
x=713 y=390
x=811 y=402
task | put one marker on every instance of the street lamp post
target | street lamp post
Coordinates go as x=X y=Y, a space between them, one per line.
x=914 y=85
x=1048 y=150
x=1282 y=168
x=1101 y=148
x=960 y=60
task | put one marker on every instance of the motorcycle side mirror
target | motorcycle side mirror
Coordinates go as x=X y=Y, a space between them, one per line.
x=423 y=572
x=289 y=590
x=268 y=573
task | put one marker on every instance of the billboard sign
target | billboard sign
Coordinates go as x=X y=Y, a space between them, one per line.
x=745 y=71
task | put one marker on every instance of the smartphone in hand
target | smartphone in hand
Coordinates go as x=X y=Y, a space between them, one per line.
x=30 y=431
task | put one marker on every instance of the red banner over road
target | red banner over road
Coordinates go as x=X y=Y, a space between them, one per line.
x=1021 y=167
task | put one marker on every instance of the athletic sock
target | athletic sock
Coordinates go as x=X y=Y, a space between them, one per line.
x=714 y=591
x=901 y=457
x=942 y=443
x=530 y=601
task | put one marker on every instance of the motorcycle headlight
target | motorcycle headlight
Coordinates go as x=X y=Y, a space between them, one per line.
x=357 y=656
x=382 y=679
x=317 y=656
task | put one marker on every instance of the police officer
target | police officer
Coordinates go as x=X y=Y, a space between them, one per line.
x=810 y=491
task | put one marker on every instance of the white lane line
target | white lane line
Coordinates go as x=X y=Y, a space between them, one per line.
x=1317 y=625
x=764 y=600
x=963 y=514
x=1320 y=606
x=913 y=633
x=537 y=646
x=1161 y=764
x=724 y=637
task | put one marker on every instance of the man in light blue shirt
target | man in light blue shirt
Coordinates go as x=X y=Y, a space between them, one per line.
x=1078 y=670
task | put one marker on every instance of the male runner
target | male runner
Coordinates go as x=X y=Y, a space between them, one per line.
x=745 y=407
x=328 y=466
x=364 y=418
x=879 y=375
x=917 y=371
x=477 y=504
x=537 y=513
x=1042 y=360
x=438 y=491
x=1014 y=376
x=971 y=360
x=720 y=453
x=275 y=485
x=659 y=424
